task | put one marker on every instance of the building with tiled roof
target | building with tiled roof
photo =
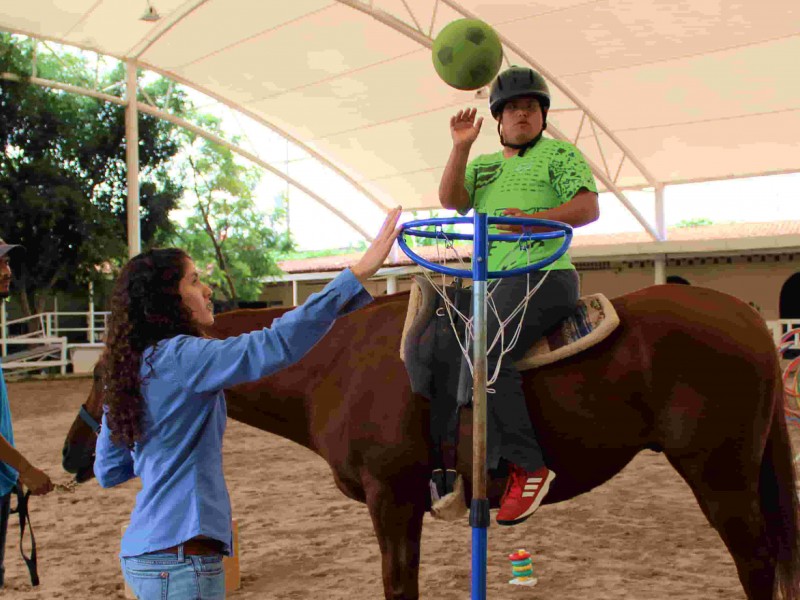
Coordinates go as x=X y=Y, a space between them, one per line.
x=718 y=239
x=757 y=262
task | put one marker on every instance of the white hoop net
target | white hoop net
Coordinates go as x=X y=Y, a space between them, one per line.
x=506 y=343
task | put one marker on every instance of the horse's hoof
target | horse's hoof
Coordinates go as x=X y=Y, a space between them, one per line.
x=453 y=506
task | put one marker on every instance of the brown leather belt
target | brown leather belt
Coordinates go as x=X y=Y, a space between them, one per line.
x=195 y=547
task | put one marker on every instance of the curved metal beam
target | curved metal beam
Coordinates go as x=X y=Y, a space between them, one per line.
x=275 y=129
x=146 y=108
x=417 y=35
x=67 y=87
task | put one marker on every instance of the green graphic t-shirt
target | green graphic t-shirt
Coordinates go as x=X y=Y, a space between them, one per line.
x=547 y=176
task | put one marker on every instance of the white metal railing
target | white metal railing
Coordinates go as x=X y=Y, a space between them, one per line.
x=780 y=327
x=48 y=347
x=50 y=325
x=44 y=345
x=40 y=353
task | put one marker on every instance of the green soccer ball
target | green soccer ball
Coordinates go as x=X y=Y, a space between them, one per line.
x=467 y=54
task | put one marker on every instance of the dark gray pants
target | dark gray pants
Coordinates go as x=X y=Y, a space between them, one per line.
x=5 y=508
x=509 y=433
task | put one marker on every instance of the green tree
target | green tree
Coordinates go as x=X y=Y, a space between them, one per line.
x=694 y=222
x=424 y=241
x=63 y=173
x=234 y=243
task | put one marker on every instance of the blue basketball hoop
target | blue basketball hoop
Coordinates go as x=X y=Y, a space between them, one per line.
x=479 y=509
x=562 y=230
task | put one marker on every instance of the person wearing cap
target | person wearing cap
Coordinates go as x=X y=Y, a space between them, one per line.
x=530 y=176
x=13 y=466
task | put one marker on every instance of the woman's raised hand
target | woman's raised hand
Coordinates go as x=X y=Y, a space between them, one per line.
x=377 y=252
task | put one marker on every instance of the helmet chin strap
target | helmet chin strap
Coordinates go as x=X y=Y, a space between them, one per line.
x=523 y=148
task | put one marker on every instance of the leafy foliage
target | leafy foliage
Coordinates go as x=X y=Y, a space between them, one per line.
x=229 y=238
x=425 y=241
x=63 y=181
x=694 y=222
x=63 y=173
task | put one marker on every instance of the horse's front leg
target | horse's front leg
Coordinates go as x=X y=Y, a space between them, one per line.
x=397 y=514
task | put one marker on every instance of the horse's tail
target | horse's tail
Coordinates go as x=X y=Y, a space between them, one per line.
x=779 y=502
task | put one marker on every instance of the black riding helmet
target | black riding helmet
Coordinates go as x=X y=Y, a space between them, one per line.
x=518 y=82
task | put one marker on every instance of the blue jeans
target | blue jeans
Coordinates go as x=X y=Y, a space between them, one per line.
x=160 y=576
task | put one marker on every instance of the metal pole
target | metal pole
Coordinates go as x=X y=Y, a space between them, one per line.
x=661 y=228
x=132 y=159
x=286 y=199
x=479 y=509
x=660 y=263
x=64 y=360
x=91 y=312
x=661 y=213
x=391 y=283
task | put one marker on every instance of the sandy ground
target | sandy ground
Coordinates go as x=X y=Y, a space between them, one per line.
x=639 y=537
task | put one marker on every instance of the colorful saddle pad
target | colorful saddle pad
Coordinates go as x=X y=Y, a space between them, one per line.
x=593 y=320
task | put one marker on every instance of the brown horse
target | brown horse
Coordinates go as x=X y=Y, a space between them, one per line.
x=690 y=372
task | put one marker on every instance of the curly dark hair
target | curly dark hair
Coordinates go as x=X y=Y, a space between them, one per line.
x=146 y=307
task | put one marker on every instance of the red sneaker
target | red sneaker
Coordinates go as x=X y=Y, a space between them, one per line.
x=524 y=493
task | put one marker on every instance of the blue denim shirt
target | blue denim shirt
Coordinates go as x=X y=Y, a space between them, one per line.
x=179 y=459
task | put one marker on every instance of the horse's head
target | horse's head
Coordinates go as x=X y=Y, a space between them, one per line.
x=78 y=452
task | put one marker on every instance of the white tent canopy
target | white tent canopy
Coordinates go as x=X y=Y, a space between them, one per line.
x=653 y=93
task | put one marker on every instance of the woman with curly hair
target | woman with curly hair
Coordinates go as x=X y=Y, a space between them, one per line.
x=164 y=409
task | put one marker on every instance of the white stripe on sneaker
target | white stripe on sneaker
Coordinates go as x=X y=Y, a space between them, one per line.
x=538 y=494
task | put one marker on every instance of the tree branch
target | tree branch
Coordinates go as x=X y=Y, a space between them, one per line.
x=210 y=230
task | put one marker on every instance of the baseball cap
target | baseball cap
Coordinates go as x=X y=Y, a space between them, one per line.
x=5 y=248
